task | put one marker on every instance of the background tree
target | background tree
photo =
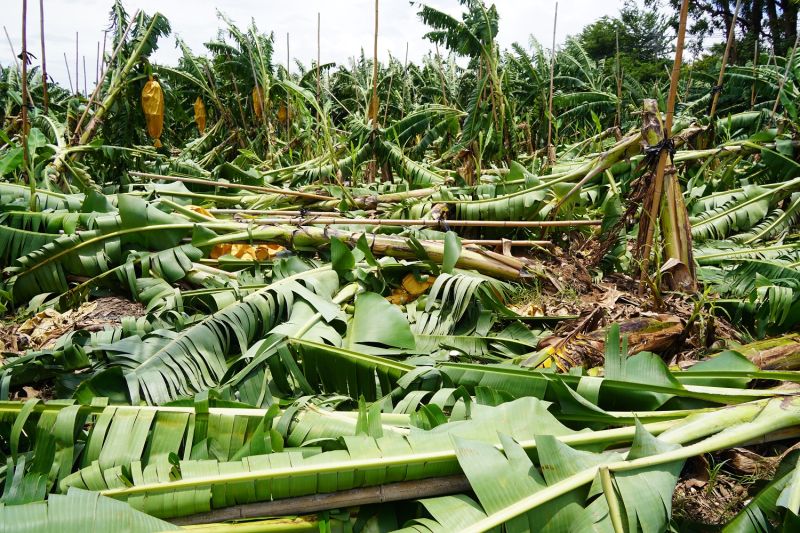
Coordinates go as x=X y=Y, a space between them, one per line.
x=645 y=41
x=770 y=22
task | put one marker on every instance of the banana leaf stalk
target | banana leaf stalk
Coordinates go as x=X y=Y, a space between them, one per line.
x=311 y=237
x=388 y=198
x=11 y=407
x=256 y=188
x=448 y=456
x=289 y=524
x=605 y=160
x=782 y=353
x=727 y=429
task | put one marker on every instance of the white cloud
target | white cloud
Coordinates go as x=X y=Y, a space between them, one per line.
x=347 y=26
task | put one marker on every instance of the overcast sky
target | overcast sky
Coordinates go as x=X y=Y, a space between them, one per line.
x=347 y=26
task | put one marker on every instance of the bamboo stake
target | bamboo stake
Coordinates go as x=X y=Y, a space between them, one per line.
x=658 y=186
x=784 y=78
x=24 y=107
x=405 y=72
x=287 y=79
x=11 y=45
x=44 y=58
x=755 y=75
x=77 y=73
x=441 y=72
x=103 y=54
x=16 y=62
x=373 y=107
x=319 y=79
x=403 y=222
x=551 y=155
x=104 y=72
x=731 y=33
x=618 y=74
x=312 y=217
x=389 y=93
x=85 y=88
x=391 y=492
x=97 y=65
x=69 y=77
x=256 y=188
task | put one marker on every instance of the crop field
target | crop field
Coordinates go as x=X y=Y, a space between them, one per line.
x=540 y=288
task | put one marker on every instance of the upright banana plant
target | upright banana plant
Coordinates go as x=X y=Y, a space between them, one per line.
x=486 y=130
x=130 y=52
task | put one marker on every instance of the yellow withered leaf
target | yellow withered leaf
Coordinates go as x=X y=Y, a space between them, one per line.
x=200 y=115
x=153 y=106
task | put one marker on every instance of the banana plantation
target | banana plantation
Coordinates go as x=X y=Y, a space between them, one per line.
x=497 y=289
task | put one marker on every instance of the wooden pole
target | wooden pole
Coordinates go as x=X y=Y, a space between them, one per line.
x=551 y=152
x=658 y=185
x=44 y=58
x=731 y=34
